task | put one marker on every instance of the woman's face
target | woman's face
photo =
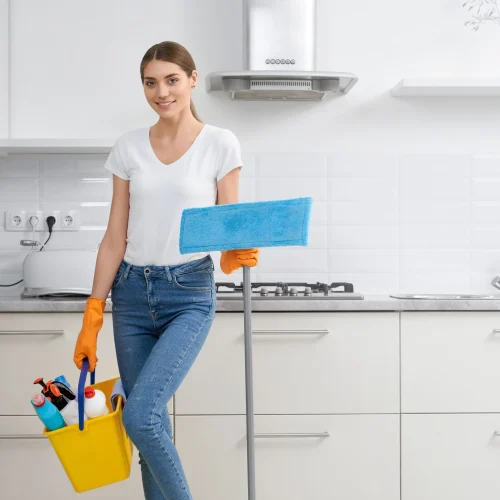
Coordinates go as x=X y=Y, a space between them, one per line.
x=167 y=87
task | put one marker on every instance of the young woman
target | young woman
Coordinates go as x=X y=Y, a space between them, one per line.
x=163 y=302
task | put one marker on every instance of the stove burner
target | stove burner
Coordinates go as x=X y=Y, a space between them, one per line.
x=287 y=289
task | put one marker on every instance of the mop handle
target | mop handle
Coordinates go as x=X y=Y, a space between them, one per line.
x=247 y=311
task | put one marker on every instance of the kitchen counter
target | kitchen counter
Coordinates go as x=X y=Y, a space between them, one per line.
x=370 y=303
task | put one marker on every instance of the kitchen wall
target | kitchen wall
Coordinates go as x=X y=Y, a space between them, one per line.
x=405 y=189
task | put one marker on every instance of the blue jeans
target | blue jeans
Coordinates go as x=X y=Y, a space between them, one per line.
x=161 y=319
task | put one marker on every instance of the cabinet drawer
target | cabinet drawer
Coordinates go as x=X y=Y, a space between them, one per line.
x=302 y=363
x=25 y=453
x=42 y=345
x=450 y=456
x=450 y=362
x=358 y=458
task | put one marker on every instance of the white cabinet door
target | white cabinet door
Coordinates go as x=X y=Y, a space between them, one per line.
x=36 y=345
x=450 y=362
x=303 y=363
x=358 y=460
x=453 y=456
x=4 y=69
x=42 y=345
x=30 y=467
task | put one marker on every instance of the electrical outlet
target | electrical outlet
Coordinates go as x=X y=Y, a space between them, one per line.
x=34 y=219
x=15 y=221
x=69 y=220
x=57 y=217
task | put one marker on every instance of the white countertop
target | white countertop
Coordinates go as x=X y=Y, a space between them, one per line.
x=369 y=303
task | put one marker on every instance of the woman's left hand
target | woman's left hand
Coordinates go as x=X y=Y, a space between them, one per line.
x=230 y=260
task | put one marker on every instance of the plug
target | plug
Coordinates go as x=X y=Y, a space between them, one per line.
x=51 y=220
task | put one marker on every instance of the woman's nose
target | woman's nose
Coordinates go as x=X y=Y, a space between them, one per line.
x=163 y=91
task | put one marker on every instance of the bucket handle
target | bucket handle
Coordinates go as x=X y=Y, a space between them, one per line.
x=81 y=388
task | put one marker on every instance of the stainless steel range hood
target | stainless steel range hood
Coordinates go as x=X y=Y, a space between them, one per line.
x=280 y=56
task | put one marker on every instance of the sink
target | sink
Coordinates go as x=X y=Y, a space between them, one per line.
x=444 y=296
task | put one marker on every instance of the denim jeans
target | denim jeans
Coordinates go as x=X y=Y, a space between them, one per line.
x=161 y=319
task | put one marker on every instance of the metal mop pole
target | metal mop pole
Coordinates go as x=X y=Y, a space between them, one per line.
x=247 y=310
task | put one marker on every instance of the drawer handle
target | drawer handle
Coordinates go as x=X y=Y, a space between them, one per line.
x=496 y=331
x=290 y=332
x=293 y=434
x=31 y=332
x=22 y=436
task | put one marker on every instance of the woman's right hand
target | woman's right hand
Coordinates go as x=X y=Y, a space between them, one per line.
x=86 y=344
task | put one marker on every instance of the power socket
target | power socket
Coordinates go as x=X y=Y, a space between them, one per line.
x=57 y=217
x=34 y=220
x=69 y=221
x=18 y=220
x=15 y=221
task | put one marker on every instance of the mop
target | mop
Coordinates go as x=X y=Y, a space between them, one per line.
x=238 y=226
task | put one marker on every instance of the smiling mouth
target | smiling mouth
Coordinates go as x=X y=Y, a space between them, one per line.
x=164 y=105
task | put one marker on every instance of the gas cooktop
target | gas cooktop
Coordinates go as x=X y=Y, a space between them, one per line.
x=289 y=291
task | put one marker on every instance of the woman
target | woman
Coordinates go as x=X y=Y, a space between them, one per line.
x=163 y=302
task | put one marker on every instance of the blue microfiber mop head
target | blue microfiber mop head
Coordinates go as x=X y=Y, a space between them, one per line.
x=245 y=225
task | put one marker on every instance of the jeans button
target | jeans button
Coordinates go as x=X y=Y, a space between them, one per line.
x=147 y=271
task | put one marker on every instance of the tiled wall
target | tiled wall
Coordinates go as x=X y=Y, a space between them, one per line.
x=385 y=222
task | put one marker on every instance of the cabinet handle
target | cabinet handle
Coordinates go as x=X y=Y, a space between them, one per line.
x=495 y=331
x=293 y=434
x=290 y=332
x=31 y=332
x=22 y=436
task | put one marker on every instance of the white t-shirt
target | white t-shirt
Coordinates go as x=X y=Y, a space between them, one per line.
x=159 y=193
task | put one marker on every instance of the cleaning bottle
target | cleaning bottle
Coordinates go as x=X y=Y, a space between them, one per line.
x=70 y=413
x=95 y=403
x=63 y=388
x=47 y=412
x=56 y=398
x=63 y=380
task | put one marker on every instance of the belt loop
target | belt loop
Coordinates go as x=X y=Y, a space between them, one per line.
x=127 y=269
x=168 y=273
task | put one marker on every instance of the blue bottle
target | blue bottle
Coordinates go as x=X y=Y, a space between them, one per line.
x=62 y=379
x=47 y=412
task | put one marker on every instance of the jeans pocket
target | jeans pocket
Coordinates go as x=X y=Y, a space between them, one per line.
x=195 y=280
x=119 y=276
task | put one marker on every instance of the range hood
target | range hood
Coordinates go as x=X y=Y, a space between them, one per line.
x=279 y=41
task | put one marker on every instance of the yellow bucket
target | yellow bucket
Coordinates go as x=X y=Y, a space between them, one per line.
x=101 y=453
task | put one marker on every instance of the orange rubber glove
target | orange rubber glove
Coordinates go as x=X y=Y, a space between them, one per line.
x=230 y=260
x=86 y=344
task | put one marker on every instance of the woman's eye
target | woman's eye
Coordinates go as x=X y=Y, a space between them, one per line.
x=147 y=83
x=173 y=80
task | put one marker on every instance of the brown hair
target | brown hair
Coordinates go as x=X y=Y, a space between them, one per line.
x=171 y=52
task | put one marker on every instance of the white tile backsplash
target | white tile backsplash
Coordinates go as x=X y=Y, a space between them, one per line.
x=385 y=222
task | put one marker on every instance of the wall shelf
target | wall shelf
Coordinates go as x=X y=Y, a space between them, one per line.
x=447 y=87
x=51 y=146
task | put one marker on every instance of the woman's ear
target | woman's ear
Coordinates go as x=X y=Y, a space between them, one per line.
x=194 y=78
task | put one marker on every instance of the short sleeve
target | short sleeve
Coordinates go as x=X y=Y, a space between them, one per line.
x=229 y=154
x=116 y=161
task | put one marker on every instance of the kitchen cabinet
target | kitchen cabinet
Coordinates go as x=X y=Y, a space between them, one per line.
x=450 y=456
x=329 y=421
x=357 y=458
x=25 y=453
x=303 y=363
x=41 y=345
x=86 y=65
x=450 y=362
x=450 y=373
x=314 y=373
x=4 y=68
